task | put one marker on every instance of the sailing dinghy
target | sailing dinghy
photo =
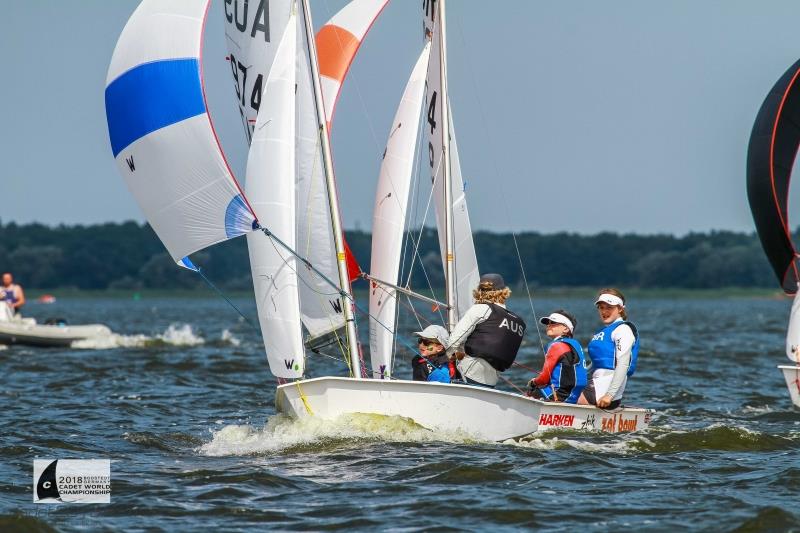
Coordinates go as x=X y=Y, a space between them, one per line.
x=164 y=143
x=771 y=155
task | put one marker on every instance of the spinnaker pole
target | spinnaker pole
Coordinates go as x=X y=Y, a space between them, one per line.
x=333 y=199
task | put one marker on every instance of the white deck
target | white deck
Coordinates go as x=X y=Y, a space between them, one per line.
x=485 y=413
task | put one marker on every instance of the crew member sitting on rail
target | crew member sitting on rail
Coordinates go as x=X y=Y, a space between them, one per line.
x=563 y=375
x=432 y=363
x=487 y=338
x=12 y=293
x=614 y=350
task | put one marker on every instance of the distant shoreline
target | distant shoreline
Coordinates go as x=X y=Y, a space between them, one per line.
x=519 y=292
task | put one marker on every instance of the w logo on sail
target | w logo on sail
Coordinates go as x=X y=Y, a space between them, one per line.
x=131 y=166
x=289 y=363
x=337 y=306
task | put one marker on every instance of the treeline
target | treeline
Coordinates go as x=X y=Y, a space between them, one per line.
x=130 y=256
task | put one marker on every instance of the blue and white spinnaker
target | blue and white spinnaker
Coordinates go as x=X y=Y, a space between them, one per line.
x=161 y=134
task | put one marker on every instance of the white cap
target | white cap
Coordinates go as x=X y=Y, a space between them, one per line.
x=610 y=299
x=434 y=332
x=557 y=318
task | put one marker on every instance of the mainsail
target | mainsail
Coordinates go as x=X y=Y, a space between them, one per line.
x=773 y=147
x=389 y=218
x=455 y=235
x=270 y=188
x=161 y=134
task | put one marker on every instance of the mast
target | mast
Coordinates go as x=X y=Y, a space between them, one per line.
x=450 y=274
x=333 y=199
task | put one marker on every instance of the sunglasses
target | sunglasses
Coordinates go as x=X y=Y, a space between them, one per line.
x=427 y=343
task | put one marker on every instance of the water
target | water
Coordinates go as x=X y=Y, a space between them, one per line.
x=182 y=402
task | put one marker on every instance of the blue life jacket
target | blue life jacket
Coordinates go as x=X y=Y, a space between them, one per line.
x=9 y=295
x=567 y=377
x=602 y=349
x=440 y=374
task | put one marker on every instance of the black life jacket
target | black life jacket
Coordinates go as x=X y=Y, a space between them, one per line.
x=497 y=339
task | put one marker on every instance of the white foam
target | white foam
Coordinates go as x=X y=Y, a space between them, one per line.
x=282 y=432
x=555 y=442
x=175 y=335
x=228 y=337
x=181 y=336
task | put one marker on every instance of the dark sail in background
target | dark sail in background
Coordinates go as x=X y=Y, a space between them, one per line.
x=770 y=157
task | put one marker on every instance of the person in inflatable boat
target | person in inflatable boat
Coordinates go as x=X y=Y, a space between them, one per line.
x=563 y=376
x=11 y=293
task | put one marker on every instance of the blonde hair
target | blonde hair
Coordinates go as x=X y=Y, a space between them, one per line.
x=484 y=295
x=618 y=294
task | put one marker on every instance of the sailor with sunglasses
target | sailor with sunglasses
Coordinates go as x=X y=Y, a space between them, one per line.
x=432 y=363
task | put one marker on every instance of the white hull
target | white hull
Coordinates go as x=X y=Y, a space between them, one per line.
x=791 y=374
x=485 y=413
x=27 y=331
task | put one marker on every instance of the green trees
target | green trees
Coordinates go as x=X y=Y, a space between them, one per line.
x=129 y=256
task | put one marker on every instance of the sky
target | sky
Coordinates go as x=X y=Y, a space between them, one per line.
x=580 y=116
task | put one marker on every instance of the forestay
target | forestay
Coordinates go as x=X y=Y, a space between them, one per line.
x=270 y=187
x=161 y=134
x=389 y=218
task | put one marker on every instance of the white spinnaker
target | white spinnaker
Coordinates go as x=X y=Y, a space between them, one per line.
x=320 y=304
x=270 y=187
x=465 y=261
x=793 y=334
x=161 y=134
x=389 y=218
x=252 y=33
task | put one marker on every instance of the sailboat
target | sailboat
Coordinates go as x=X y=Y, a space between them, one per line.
x=771 y=155
x=287 y=82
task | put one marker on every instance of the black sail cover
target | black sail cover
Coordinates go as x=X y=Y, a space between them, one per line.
x=770 y=157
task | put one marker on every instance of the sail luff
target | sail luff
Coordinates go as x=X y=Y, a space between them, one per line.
x=389 y=217
x=344 y=279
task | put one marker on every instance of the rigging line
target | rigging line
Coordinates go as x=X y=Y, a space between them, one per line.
x=498 y=180
x=415 y=255
x=510 y=383
x=414 y=194
x=342 y=349
x=210 y=284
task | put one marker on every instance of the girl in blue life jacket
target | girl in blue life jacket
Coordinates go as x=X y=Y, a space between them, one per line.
x=614 y=350
x=432 y=363
x=563 y=375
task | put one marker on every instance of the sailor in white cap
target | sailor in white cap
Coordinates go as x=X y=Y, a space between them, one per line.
x=563 y=376
x=488 y=336
x=432 y=363
x=614 y=351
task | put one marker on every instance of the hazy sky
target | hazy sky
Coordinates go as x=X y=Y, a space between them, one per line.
x=621 y=115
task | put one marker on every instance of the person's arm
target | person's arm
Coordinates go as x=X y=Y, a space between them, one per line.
x=554 y=354
x=623 y=342
x=20 y=297
x=475 y=315
x=419 y=369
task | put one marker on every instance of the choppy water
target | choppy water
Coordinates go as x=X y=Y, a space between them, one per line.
x=182 y=402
